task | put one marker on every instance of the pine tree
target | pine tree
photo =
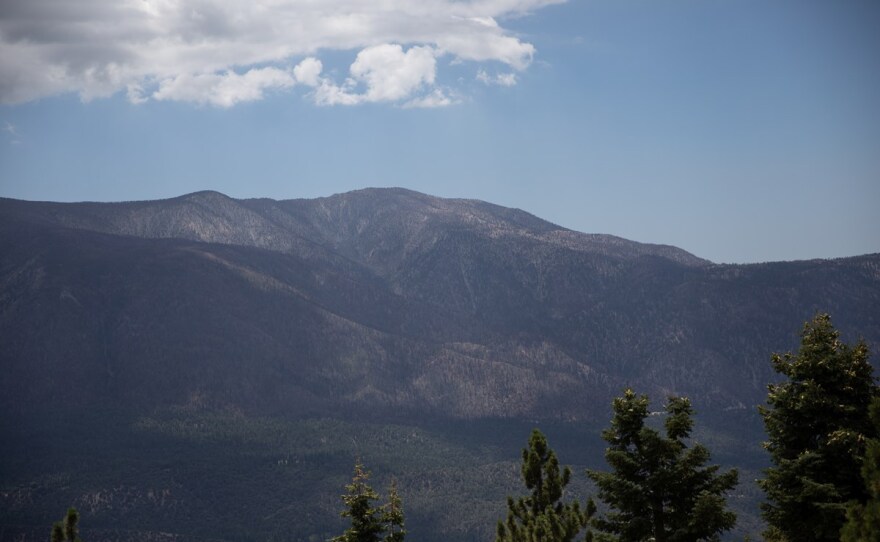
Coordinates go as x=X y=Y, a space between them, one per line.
x=863 y=520
x=392 y=515
x=366 y=524
x=817 y=424
x=67 y=530
x=659 y=488
x=542 y=516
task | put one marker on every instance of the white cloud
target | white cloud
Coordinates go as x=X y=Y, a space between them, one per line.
x=223 y=90
x=328 y=93
x=135 y=93
x=502 y=79
x=308 y=72
x=390 y=74
x=386 y=73
x=505 y=79
x=437 y=98
x=217 y=51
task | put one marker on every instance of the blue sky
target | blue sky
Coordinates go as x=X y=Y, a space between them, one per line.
x=740 y=130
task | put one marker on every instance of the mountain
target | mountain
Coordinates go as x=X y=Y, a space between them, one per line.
x=205 y=319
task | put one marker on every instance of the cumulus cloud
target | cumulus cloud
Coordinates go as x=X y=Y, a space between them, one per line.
x=308 y=72
x=390 y=74
x=223 y=90
x=222 y=52
x=386 y=72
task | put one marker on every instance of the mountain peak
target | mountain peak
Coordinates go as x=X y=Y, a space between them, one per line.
x=377 y=226
x=204 y=195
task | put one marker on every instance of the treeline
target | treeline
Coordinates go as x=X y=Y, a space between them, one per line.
x=823 y=428
x=823 y=437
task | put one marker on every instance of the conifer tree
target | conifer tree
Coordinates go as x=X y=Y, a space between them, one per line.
x=863 y=520
x=659 y=488
x=392 y=515
x=366 y=524
x=817 y=424
x=67 y=530
x=542 y=516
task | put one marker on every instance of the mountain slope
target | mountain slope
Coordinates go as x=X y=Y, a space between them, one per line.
x=469 y=301
x=252 y=332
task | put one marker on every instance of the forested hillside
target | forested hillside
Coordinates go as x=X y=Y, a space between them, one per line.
x=210 y=367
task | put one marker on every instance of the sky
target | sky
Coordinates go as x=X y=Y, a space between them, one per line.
x=739 y=130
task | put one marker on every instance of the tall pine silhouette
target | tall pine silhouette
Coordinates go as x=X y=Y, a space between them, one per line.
x=67 y=530
x=660 y=487
x=817 y=425
x=371 y=523
x=542 y=515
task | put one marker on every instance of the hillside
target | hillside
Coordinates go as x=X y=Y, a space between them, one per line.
x=265 y=329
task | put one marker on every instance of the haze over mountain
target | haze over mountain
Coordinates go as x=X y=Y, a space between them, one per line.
x=381 y=304
x=396 y=299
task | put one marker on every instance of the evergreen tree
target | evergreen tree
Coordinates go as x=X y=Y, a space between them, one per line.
x=366 y=524
x=67 y=530
x=392 y=515
x=542 y=517
x=659 y=488
x=863 y=520
x=817 y=424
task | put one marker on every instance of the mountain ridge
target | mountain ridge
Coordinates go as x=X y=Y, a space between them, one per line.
x=443 y=279
x=235 y=356
x=335 y=206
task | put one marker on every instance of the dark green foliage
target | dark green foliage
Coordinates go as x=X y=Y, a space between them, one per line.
x=392 y=515
x=542 y=516
x=863 y=520
x=67 y=530
x=659 y=488
x=453 y=479
x=366 y=524
x=817 y=425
